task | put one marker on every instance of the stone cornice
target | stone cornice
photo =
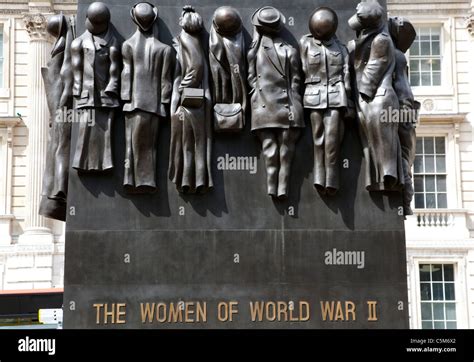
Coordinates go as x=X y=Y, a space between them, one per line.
x=9 y=123
x=447 y=245
x=20 y=11
x=27 y=249
x=442 y=118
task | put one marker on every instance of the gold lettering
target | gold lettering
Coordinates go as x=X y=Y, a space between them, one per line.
x=233 y=310
x=161 y=312
x=188 y=312
x=327 y=310
x=270 y=311
x=372 y=311
x=336 y=311
x=201 y=312
x=256 y=311
x=109 y=313
x=222 y=312
x=226 y=311
x=279 y=311
x=112 y=313
x=147 y=312
x=304 y=317
x=121 y=312
x=350 y=310
x=283 y=312
x=293 y=317
x=98 y=307
x=175 y=314
x=339 y=314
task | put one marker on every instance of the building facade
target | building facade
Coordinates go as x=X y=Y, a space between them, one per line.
x=31 y=247
x=440 y=236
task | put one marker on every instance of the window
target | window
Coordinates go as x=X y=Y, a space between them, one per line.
x=438 y=300
x=1 y=56
x=425 y=58
x=7 y=126
x=430 y=175
x=4 y=171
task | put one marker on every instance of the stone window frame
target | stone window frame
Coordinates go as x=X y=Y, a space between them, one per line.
x=459 y=262
x=444 y=301
x=8 y=40
x=453 y=166
x=436 y=173
x=448 y=51
x=433 y=30
x=7 y=126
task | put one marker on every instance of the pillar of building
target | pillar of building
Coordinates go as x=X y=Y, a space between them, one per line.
x=36 y=227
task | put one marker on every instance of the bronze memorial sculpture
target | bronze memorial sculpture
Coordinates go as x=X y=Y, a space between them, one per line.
x=403 y=35
x=373 y=55
x=191 y=127
x=227 y=60
x=331 y=242
x=277 y=109
x=57 y=77
x=146 y=89
x=327 y=95
x=97 y=61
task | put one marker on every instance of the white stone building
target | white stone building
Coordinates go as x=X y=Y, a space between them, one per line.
x=31 y=247
x=440 y=237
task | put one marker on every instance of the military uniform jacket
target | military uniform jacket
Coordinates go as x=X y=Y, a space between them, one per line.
x=274 y=76
x=327 y=76
x=97 y=64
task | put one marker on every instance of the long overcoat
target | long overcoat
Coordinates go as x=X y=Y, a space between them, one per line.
x=373 y=57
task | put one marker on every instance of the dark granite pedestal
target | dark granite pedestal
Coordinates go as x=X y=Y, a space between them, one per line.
x=213 y=261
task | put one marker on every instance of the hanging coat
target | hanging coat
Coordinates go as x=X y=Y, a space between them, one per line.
x=146 y=89
x=373 y=57
x=227 y=60
x=57 y=79
x=191 y=127
x=97 y=64
x=275 y=80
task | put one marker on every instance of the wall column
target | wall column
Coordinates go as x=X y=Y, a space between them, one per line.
x=36 y=227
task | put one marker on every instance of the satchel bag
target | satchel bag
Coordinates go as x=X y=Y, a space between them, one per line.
x=192 y=97
x=228 y=117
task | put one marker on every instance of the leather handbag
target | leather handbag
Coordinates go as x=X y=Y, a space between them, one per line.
x=192 y=97
x=228 y=117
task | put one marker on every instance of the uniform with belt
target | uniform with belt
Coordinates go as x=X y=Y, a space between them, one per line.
x=327 y=96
